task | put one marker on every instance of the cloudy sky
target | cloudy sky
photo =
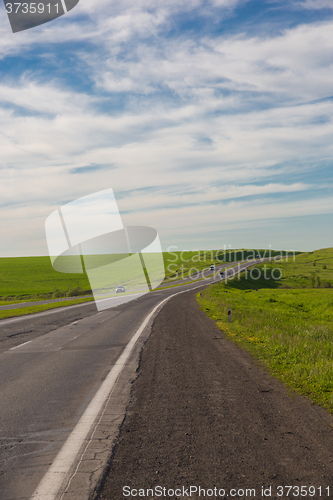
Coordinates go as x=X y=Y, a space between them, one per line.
x=210 y=119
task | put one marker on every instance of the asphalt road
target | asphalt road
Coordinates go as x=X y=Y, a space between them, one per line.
x=52 y=364
x=204 y=414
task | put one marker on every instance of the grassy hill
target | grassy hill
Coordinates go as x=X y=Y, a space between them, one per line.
x=305 y=270
x=24 y=277
x=27 y=277
x=310 y=270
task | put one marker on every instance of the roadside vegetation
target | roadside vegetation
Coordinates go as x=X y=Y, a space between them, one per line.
x=34 y=278
x=286 y=323
x=23 y=278
x=10 y=313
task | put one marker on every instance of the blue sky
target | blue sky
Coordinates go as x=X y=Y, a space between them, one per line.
x=211 y=120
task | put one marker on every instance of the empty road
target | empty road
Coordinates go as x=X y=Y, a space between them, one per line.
x=52 y=367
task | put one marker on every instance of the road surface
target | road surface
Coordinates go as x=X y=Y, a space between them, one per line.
x=204 y=414
x=52 y=366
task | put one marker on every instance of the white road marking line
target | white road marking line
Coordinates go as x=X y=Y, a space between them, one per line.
x=55 y=478
x=120 y=297
x=24 y=343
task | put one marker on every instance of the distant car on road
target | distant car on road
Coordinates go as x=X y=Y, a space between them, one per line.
x=212 y=267
x=120 y=289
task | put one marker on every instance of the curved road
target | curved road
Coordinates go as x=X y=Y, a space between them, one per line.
x=205 y=273
x=51 y=367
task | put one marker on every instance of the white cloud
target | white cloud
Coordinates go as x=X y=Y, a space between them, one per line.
x=47 y=98
x=218 y=117
x=291 y=67
x=315 y=4
x=179 y=221
x=185 y=195
x=107 y=21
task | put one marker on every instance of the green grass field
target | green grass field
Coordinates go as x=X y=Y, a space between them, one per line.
x=310 y=270
x=10 y=313
x=24 y=277
x=306 y=270
x=285 y=323
x=34 y=277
